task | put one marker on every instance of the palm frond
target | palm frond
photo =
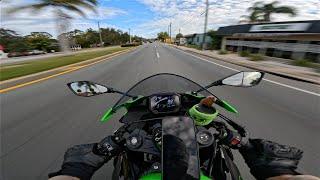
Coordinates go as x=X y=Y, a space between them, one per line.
x=83 y=4
x=286 y=10
x=31 y=6
x=73 y=8
x=93 y=2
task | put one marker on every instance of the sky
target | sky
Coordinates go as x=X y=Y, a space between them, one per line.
x=148 y=17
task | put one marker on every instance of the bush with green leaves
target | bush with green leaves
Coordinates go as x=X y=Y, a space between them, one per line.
x=223 y=52
x=244 y=53
x=256 y=57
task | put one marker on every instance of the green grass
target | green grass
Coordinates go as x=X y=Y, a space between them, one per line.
x=22 y=69
x=194 y=46
x=255 y=57
x=306 y=63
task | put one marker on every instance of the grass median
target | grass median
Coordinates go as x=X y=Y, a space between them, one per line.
x=39 y=65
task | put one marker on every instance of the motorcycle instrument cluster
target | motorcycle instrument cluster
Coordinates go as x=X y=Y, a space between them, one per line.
x=164 y=103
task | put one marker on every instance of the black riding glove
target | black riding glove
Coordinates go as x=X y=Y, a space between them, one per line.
x=83 y=161
x=269 y=159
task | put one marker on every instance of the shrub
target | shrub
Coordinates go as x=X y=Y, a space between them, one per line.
x=256 y=57
x=301 y=62
x=306 y=63
x=222 y=52
x=194 y=46
x=244 y=54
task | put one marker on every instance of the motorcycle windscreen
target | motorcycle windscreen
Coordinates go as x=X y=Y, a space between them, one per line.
x=180 y=159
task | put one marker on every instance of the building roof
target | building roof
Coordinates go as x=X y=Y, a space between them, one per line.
x=189 y=35
x=312 y=26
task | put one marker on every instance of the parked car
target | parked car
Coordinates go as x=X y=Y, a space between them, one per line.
x=36 y=52
x=17 y=54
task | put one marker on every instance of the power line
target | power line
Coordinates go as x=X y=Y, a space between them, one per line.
x=192 y=18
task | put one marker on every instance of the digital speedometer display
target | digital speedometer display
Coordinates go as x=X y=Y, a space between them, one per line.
x=164 y=103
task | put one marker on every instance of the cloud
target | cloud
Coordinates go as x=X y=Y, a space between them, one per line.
x=187 y=15
x=28 y=21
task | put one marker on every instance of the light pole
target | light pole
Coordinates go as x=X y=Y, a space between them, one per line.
x=205 y=25
x=129 y=36
x=170 y=32
x=100 y=34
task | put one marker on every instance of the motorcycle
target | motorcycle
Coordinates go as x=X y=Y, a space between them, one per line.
x=167 y=105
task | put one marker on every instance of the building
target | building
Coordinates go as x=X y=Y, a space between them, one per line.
x=292 y=39
x=197 y=39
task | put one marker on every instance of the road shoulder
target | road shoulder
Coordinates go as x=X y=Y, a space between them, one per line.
x=18 y=82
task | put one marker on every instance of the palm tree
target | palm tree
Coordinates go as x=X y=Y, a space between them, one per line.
x=252 y=18
x=61 y=7
x=265 y=10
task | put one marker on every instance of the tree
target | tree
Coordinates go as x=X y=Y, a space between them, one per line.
x=216 y=40
x=61 y=7
x=179 y=35
x=12 y=42
x=265 y=10
x=39 y=41
x=163 y=35
x=252 y=18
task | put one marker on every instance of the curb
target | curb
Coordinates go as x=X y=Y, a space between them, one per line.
x=260 y=69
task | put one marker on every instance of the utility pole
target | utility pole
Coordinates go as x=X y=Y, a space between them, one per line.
x=179 y=30
x=170 y=32
x=205 y=25
x=129 y=36
x=101 y=43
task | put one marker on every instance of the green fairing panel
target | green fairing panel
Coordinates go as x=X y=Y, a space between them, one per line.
x=151 y=176
x=157 y=176
x=229 y=107
x=107 y=115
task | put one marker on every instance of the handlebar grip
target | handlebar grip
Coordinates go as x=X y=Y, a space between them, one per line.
x=107 y=147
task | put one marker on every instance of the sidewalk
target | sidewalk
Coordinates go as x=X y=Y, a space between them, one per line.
x=279 y=68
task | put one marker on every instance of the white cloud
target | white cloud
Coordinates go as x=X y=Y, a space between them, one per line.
x=186 y=14
x=28 y=21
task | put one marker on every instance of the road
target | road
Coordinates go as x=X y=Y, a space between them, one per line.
x=39 y=122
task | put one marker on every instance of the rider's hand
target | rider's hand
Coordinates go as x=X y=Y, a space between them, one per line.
x=82 y=161
x=269 y=159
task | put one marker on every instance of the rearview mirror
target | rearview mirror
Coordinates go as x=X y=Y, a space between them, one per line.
x=244 y=79
x=87 y=88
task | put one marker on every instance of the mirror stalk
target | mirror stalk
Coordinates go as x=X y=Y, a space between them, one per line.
x=216 y=83
x=111 y=90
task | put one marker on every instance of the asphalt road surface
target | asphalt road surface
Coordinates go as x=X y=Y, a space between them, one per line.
x=39 y=122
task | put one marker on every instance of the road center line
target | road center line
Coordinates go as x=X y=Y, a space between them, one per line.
x=270 y=81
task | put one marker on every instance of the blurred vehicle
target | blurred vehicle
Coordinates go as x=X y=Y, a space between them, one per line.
x=17 y=54
x=36 y=52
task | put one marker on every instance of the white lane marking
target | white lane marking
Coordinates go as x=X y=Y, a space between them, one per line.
x=295 y=88
x=158 y=56
x=270 y=81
